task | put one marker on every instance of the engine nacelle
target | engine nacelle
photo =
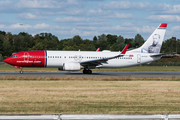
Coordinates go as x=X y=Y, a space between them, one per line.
x=71 y=66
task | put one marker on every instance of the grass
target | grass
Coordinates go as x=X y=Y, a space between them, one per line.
x=70 y=95
x=89 y=95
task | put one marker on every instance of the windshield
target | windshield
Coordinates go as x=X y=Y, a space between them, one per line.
x=14 y=56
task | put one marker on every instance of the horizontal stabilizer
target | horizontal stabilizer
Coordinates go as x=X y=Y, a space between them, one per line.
x=157 y=55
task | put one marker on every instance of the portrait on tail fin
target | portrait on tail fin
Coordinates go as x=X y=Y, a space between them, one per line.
x=155 y=47
x=154 y=42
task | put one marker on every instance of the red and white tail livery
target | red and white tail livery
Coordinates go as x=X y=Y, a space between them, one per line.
x=77 y=60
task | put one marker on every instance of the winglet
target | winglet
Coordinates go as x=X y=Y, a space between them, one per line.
x=125 y=49
x=98 y=49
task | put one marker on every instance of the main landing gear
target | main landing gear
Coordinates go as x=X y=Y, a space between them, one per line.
x=87 y=71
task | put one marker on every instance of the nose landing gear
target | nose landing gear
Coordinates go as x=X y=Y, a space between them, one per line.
x=21 y=72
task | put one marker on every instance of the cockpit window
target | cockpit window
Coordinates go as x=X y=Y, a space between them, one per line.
x=14 y=55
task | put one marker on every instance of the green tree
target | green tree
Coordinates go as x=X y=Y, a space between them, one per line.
x=170 y=45
x=1 y=44
x=1 y=58
x=39 y=46
x=102 y=42
x=7 y=46
x=129 y=41
x=178 y=46
x=87 y=45
x=111 y=39
x=2 y=33
x=77 y=40
x=115 y=47
x=120 y=42
x=95 y=41
x=138 y=41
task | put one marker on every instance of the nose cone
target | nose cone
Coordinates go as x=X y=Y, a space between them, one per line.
x=8 y=60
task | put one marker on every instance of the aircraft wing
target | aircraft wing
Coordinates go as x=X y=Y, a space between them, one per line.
x=96 y=62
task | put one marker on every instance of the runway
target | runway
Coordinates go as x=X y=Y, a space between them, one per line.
x=96 y=74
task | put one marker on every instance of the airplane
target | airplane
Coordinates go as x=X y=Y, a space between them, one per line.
x=87 y=60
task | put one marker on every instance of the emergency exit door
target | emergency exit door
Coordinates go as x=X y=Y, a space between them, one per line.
x=138 y=58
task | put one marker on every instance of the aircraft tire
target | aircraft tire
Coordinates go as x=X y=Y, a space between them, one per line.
x=87 y=72
x=84 y=71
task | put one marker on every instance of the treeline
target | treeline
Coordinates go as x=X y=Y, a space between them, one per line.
x=10 y=43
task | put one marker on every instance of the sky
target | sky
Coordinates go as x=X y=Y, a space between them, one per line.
x=89 y=18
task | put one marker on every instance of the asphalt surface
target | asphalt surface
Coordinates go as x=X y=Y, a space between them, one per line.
x=96 y=74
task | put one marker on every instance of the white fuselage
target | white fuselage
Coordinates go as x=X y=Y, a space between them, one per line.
x=58 y=58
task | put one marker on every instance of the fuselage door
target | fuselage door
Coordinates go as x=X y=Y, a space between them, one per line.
x=138 y=58
x=26 y=56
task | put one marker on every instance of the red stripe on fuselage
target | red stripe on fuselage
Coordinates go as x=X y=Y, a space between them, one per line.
x=28 y=59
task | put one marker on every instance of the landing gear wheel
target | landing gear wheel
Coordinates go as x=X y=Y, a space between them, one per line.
x=84 y=71
x=21 y=72
x=87 y=71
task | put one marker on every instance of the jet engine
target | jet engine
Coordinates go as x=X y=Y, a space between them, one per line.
x=70 y=67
